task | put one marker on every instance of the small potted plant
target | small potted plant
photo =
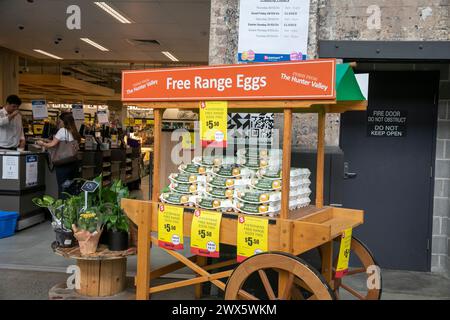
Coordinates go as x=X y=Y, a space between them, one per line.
x=114 y=219
x=117 y=227
x=63 y=216
x=87 y=231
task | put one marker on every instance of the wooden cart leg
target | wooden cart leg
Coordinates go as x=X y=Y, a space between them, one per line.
x=143 y=252
x=201 y=261
x=286 y=169
x=327 y=261
x=320 y=158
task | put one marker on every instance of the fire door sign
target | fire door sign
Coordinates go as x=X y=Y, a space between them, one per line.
x=386 y=123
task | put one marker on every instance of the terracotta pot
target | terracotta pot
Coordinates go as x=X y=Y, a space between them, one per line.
x=87 y=241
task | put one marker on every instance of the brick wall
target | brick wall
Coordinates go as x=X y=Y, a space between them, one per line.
x=441 y=213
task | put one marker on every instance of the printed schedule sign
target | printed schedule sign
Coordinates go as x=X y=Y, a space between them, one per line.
x=170 y=227
x=252 y=236
x=344 y=253
x=273 y=30
x=205 y=233
x=386 y=123
x=78 y=112
x=31 y=170
x=213 y=123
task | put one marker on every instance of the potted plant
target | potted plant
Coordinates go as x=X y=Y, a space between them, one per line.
x=87 y=231
x=63 y=216
x=114 y=219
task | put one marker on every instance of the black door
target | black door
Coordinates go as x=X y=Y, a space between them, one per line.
x=389 y=156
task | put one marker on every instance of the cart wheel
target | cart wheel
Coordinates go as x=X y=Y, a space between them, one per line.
x=370 y=291
x=301 y=280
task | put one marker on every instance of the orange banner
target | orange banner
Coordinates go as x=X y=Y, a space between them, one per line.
x=312 y=79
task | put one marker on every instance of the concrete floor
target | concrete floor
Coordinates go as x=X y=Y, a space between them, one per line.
x=29 y=268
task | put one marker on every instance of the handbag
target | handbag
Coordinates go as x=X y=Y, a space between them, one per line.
x=64 y=152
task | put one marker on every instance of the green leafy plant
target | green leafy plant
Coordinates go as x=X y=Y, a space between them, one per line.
x=112 y=214
x=62 y=218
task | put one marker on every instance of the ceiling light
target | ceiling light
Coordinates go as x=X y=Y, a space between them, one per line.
x=94 y=44
x=47 y=54
x=169 y=55
x=106 y=7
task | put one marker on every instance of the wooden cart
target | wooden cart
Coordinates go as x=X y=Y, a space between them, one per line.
x=316 y=227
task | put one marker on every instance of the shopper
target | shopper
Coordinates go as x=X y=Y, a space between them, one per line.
x=67 y=132
x=11 y=130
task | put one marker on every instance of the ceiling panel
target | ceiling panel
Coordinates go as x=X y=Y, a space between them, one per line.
x=182 y=27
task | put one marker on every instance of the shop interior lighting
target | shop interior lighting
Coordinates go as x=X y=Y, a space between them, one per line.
x=47 y=54
x=169 y=55
x=117 y=15
x=94 y=44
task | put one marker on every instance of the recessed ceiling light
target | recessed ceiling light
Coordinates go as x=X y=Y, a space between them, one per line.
x=106 y=7
x=169 y=55
x=47 y=54
x=94 y=44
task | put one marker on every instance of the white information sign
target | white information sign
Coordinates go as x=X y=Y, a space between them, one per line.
x=39 y=108
x=10 y=168
x=273 y=30
x=77 y=112
x=31 y=170
x=102 y=117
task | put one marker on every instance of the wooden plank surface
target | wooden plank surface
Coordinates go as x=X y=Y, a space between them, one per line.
x=156 y=153
x=89 y=277
x=112 y=277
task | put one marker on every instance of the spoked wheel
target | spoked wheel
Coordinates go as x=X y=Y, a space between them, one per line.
x=280 y=276
x=363 y=280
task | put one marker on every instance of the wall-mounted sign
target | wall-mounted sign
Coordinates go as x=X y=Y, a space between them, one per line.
x=386 y=123
x=39 y=109
x=273 y=30
x=10 y=168
x=313 y=79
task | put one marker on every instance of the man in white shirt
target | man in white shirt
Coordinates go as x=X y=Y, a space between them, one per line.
x=11 y=130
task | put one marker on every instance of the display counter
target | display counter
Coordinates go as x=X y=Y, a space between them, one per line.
x=22 y=177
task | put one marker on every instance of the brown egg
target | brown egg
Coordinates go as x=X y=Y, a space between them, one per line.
x=201 y=170
x=229 y=182
x=184 y=199
x=264 y=197
x=228 y=193
x=276 y=184
x=192 y=188
x=216 y=203
x=263 y=163
x=236 y=171
x=217 y=162
x=192 y=178
x=263 y=208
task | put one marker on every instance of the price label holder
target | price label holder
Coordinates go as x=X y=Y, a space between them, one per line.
x=344 y=253
x=213 y=123
x=252 y=236
x=137 y=121
x=88 y=187
x=170 y=227
x=205 y=233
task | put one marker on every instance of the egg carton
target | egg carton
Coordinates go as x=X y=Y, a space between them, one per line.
x=213 y=161
x=187 y=178
x=177 y=199
x=183 y=188
x=253 y=196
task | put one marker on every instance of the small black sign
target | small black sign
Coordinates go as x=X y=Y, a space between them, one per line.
x=90 y=186
x=386 y=123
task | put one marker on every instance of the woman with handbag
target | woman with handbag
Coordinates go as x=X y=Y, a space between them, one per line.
x=63 y=150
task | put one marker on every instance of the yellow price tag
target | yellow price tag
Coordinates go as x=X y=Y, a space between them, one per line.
x=150 y=121
x=170 y=227
x=205 y=233
x=252 y=236
x=137 y=121
x=344 y=253
x=187 y=140
x=213 y=123
x=126 y=122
